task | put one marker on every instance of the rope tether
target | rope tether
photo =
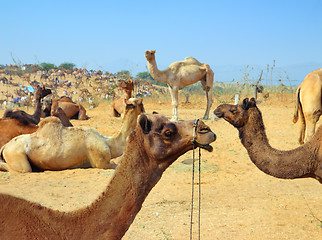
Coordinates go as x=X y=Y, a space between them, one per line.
x=195 y=123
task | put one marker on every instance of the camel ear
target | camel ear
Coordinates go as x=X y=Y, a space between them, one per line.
x=153 y=51
x=252 y=102
x=145 y=124
x=245 y=104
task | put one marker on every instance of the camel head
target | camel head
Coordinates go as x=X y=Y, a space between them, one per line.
x=237 y=115
x=165 y=141
x=127 y=85
x=42 y=92
x=150 y=55
x=134 y=104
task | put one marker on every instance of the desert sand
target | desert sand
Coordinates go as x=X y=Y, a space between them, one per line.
x=238 y=200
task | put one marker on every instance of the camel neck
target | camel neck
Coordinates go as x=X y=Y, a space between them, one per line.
x=281 y=164
x=37 y=113
x=156 y=73
x=134 y=178
x=119 y=141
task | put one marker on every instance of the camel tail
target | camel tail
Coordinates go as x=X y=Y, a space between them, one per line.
x=297 y=106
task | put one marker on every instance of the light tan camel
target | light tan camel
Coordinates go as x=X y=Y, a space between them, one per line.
x=54 y=147
x=11 y=128
x=181 y=74
x=119 y=102
x=302 y=162
x=309 y=104
x=152 y=147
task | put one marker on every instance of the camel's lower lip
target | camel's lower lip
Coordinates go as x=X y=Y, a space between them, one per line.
x=204 y=146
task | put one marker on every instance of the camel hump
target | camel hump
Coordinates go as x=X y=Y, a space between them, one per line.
x=192 y=60
x=51 y=119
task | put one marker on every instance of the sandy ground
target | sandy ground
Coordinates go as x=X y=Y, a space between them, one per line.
x=238 y=200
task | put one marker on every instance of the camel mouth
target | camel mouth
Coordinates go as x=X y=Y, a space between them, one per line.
x=219 y=114
x=204 y=146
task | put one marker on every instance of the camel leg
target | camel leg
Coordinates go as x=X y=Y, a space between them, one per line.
x=16 y=161
x=101 y=159
x=311 y=120
x=174 y=98
x=82 y=112
x=208 y=88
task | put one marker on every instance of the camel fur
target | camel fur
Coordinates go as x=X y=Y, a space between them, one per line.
x=152 y=147
x=302 y=162
x=55 y=147
x=309 y=104
x=35 y=117
x=118 y=103
x=11 y=128
x=72 y=110
x=181 y=74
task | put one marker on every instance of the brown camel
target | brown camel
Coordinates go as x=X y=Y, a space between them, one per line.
x=11 y=128
x=35 y=117
x=152 y=147
x=119 y=102
x=181 y=74
x=73 y=110
x=302 y=162
x=54 y=147
x=309 y=104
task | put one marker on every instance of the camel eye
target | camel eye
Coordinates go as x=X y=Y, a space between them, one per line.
x=233 y=111
x=204 y=130
x=168 y=133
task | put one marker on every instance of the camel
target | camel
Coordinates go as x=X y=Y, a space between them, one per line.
x=118 y=103
x=11 y=128
x=35 y=117
x=152 y=147
x=55 y=147
x=302 y=162
x=181 y=74
x=309 y=104
x=73 y=110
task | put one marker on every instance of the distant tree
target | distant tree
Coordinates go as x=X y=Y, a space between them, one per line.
x=47 y=66
x=147 y=76
x=144 y=75
x=124 y=72
x=67 y=65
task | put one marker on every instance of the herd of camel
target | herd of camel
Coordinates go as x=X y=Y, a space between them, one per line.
x=147 y=143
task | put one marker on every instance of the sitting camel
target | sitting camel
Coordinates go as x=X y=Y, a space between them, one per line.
x=35 y=117
x=54 y=147
x=119 y=102
x=302 y=162
x=72 y=110
x=309 y=104
x=152 y=147
x=11 y=128
x=181 y=74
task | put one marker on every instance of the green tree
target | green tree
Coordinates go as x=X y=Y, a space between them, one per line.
x=124 y=72
x=47 y=66
x=144 y=75
x=67 y=65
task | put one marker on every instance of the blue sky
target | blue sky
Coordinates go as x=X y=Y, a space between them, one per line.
x=113 y=35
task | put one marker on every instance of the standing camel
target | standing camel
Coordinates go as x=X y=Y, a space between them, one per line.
x=151 y=148
x=181 y=74
x=302 y=162
x=35 y=117
x=309 y=104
